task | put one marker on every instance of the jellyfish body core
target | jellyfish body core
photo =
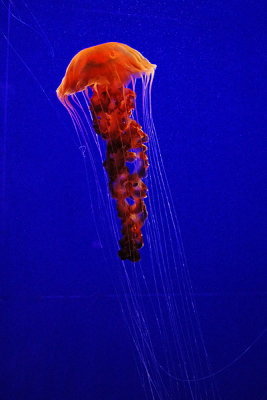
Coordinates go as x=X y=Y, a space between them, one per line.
x=107 y=69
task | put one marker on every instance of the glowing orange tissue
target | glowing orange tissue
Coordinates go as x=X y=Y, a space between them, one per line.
x=108 y=69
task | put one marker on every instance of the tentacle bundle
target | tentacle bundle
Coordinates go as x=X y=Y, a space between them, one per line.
x=111 y=110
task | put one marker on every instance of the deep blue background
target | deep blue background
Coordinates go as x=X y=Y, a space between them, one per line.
x=208 y=103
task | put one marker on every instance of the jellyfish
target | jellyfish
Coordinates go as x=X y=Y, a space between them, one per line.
x=107 y=69
x=102 y=95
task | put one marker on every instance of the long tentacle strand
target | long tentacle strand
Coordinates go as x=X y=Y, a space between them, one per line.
x=111 y=110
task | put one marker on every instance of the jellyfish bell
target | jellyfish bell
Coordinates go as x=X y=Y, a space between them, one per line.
x=105 y=64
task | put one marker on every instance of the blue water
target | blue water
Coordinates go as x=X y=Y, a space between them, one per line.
x=63 y=335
